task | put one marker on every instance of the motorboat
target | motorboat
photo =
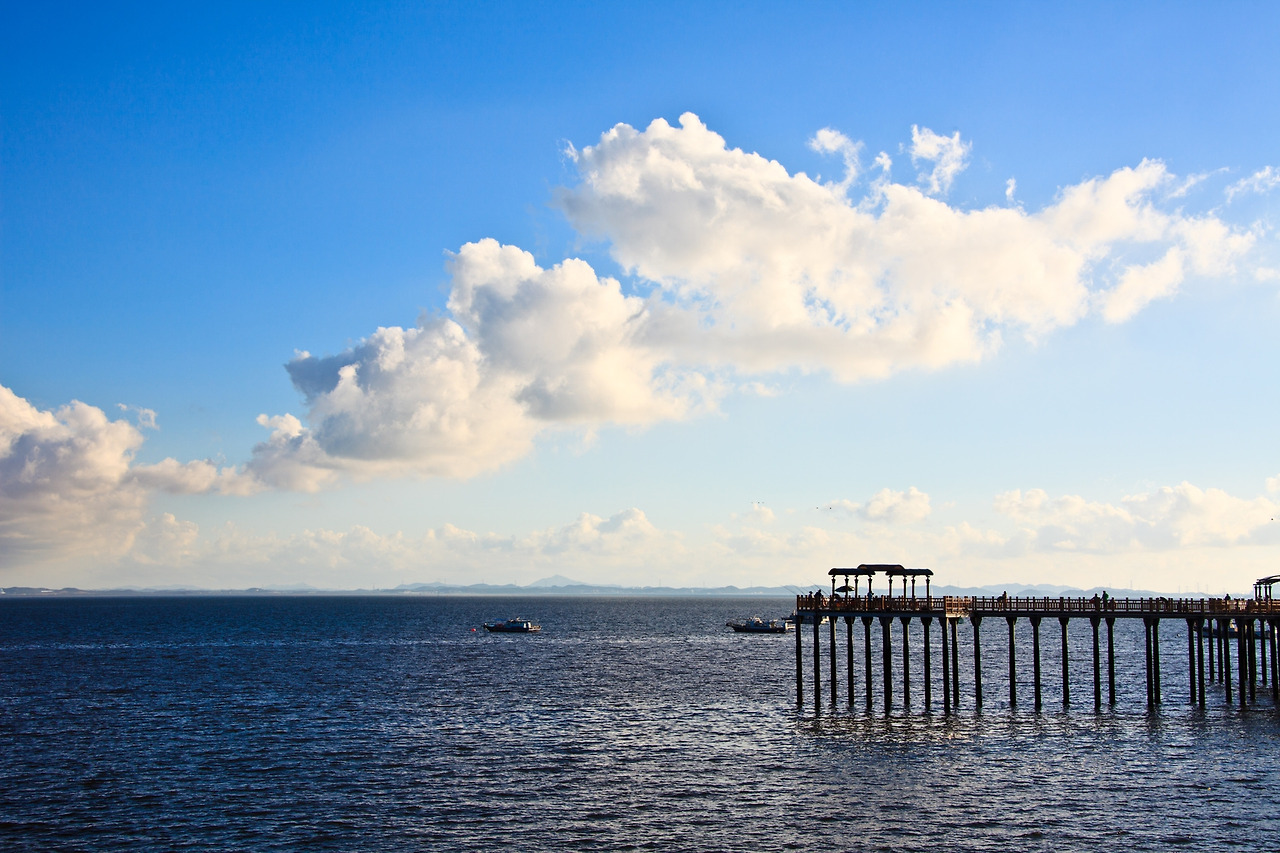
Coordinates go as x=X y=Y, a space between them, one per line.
x=513 y=626
x=757 y=625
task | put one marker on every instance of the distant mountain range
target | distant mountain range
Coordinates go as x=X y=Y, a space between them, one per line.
x=560 y=585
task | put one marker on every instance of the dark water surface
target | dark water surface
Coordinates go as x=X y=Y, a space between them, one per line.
x=387 y=724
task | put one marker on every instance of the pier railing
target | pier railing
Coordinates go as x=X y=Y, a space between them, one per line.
x=954 y=606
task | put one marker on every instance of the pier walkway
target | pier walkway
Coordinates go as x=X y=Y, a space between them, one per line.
x=1212 y=624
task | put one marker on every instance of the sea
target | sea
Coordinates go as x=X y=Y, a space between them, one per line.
x=396 y=723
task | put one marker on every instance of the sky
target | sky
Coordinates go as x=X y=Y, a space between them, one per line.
x=661 y=294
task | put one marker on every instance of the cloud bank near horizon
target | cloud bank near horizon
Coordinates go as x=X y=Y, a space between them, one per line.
x=72 y=492
x=70 y=489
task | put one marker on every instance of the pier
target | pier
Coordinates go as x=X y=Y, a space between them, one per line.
x=1222 y=635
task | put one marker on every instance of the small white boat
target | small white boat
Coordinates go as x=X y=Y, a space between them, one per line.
x=513 y=626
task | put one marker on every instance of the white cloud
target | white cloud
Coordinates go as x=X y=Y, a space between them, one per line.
x=1263 y=181
x=1142 y=284
x=898 y=507
x=198 y=477
x=767 y=271
x=948 y=154
x=69 y=485
x=1182 y=516
x=64 y=481
x=526 y=349
x=888 y=506
x=828 y=141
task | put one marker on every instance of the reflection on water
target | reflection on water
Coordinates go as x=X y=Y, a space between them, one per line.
x=386 y=723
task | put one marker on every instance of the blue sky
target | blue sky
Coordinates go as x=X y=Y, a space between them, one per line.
x=361 y=295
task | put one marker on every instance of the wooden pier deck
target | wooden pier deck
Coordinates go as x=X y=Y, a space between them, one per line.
x=1217 y=630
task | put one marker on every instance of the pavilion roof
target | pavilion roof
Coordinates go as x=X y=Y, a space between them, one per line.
x=863 y=571
x=899 y=571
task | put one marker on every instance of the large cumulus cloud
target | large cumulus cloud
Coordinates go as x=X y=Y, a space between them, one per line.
x=739 y=269
x=784 y=271
x=523 y=350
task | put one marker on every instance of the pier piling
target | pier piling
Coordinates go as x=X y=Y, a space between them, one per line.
x=1242 y=655
x=886 y=647
x=848 y=650
x=1111 y=661
x=977 y=662
x=925 y=623
x=1155 y=655
x=955 y=665
x=799 y=664
x=1095 y=621
x=1200 y=661
x=906 y=662
x=817 y=662
x=1066 y=681
x=946 y=666
x=1035 y=653
x=1013 y=665
x=831 y=622
x=1191 y=657
x=866 y=645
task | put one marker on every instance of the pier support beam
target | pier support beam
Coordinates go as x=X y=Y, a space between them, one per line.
x=831 y=623
x=1155 y=655
x=955 y=665
x=925 y=625
x=799 y=659
x=977 y=661
x=886 y=648
x=1262 y=651
x=1111 y=661
x=1191 y=657
x=1213 y=641
x=906 y=662
x=848 y=656
x=1151 y=629
x=1013 y=665
x=946 y=665
x=1146 y=645
x=1223 y=662
x=1224 y=646
x=1200 y=660
x=1066 y=679
x=1253 y=660
x=817 y=662
x=1241 y=658
x=866 y=649
x=1275 y=663
x=1035 y=654
x=1095 y=621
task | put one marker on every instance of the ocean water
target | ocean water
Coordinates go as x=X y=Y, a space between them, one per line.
x=384 y=723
